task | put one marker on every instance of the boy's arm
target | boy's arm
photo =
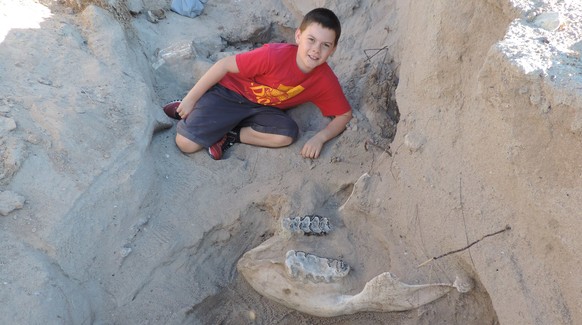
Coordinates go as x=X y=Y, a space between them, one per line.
x=312 y=147
x=209 y=79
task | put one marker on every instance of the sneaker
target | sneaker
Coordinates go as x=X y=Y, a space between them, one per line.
x=170 y=109
x=217 y=150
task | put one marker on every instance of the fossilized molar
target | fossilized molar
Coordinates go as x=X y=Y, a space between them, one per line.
x=301 y=265
x=308 y=225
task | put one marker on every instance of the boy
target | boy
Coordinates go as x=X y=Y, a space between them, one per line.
x=249 y=92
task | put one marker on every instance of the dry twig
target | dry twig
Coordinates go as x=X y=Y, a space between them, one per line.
x=376 y=51
x=373 y=143
x=466 y=247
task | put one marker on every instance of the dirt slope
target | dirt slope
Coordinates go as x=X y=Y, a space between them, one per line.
x=466 y=118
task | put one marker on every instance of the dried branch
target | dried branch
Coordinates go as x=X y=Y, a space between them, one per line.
x=466 y=247
x=373 y=143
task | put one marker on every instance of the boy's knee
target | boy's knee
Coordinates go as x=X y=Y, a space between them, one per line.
x=186 y=145
x=282 y=140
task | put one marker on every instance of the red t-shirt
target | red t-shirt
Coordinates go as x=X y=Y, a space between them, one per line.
x=270 y=76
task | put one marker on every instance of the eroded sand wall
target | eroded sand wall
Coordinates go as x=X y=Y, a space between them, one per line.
x=500 y=148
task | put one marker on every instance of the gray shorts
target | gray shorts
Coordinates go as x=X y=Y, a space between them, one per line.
x=220 y=110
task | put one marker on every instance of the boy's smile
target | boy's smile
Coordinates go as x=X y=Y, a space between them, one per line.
x=315 y=45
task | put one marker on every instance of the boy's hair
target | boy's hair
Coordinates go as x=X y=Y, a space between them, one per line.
x=325 y=18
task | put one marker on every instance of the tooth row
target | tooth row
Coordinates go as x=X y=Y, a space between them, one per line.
x=304 y=266
x=308 y=225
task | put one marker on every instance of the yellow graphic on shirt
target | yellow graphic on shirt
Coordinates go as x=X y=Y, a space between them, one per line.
x=270 y=96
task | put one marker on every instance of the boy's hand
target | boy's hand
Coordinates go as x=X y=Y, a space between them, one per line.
x=209 y=79
x=312 y=147
x=184 y=110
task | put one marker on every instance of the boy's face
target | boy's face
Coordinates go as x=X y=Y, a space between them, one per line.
x=316 y=44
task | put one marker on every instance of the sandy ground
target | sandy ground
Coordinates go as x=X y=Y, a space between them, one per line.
x=104 y=221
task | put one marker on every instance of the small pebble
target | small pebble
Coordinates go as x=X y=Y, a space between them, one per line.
x=550 y=20
x=414 y=141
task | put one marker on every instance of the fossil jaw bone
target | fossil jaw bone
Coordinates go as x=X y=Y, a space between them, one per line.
x=270 y=277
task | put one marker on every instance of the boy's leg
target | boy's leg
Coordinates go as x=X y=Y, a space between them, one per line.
x=269 y=127
x=216 y=112
x=186 y=145
x=220 y=110
x=250 y=136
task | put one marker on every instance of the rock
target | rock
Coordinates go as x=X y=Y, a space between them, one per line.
x=10 y=201
x=135 y=6
x=549 y=20
x=6 y=125
x=153 y=16
x=414 y=141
